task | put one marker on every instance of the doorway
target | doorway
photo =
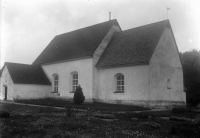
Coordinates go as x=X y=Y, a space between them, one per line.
x=5 y=98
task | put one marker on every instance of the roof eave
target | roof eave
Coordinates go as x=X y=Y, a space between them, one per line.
x=175 y=42
x=31 y=84
x=61 y=61
x=122 y=65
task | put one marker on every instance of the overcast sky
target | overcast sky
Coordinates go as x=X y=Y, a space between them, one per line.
x=28 y=26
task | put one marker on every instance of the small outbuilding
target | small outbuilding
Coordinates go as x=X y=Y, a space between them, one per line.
x=21 y=81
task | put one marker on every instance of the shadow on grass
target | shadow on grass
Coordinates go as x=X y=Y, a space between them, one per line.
x=55 y=102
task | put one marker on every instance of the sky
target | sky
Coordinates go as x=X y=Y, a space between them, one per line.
x=28 y=26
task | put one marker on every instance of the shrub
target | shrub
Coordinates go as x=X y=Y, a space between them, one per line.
x=180 y=110
x=190 y=131
x=173 y=130
x=104 y=116
x=150 y=124
x=180 y=119
x=70 y=110
x=79 y=98
x=198 y=106
x=142 y=116
x=154 y=125
x=197 y=119
x=4 y=114
x=192 y=101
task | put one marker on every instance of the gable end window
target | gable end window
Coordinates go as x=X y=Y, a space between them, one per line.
x=55 y=83
x=119 y=78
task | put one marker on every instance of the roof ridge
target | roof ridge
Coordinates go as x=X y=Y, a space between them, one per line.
x=22 y=64
x=145 y=25
x=18 y=63
x=87 y=27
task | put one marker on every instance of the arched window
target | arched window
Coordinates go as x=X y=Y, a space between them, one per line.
x=55 y=82
x=120 y=82
x=74 y=80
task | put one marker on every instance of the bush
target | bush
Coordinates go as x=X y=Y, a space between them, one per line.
x=181 y=110
x=198 y=106
x=190 y=131
x=178 y=110
x=4 y=114
x=193 y=101
x=197 y=119
x=180 y=119
x=70 y=110
x=173 y=130
x=79 y=98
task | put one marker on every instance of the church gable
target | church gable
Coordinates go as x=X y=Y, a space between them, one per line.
x=134 y=46
x=166 y=52
x=166 y=74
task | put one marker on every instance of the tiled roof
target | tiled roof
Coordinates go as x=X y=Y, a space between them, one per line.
x=27 y=74
x=134 y=46
x=76 y=44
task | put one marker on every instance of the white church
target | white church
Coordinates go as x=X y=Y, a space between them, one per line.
x=139 y=66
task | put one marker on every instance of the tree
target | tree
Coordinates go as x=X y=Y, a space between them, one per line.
x=79 y=98
x=191 y=72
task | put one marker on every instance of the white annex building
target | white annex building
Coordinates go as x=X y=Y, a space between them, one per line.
x=138 y=66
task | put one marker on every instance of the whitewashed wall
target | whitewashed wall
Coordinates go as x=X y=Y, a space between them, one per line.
x=64 y=70
x=165 y=65
x=136 y=79
x=31 y=91
x=6 y=81
x=0 y=89
x=97 y=55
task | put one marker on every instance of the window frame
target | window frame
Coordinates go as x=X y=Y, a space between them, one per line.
x=120 y=83
x=55 y=83
x=74 y=82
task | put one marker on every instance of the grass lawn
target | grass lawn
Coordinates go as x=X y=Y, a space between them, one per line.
x=91 y=106
x=28 y=121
